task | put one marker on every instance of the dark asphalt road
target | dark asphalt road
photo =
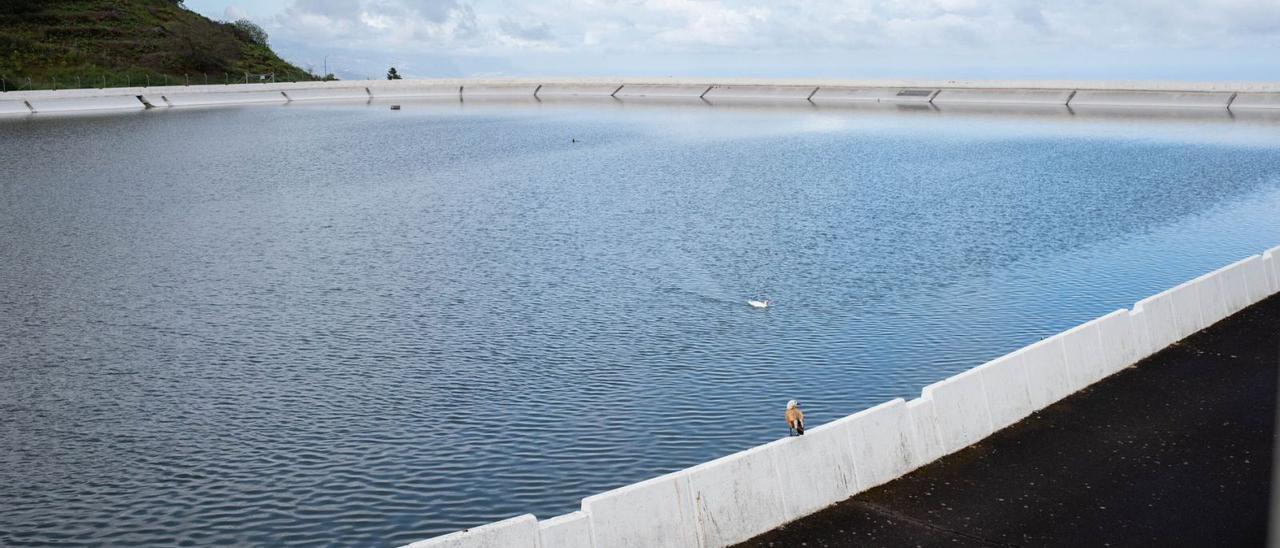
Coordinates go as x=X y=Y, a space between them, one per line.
x=1175 y=451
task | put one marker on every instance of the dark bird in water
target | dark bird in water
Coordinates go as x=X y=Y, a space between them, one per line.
x=795 y=419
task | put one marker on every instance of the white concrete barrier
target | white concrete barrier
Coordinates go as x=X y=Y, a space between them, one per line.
x=328 y=94
x=1234 y=287
x=926 y=445
x=692 y=91
x=816 y=469
x=1212 y=297
x=505 y=91
x=572 y=530
x=81 y=104
x=14 y=107
x=1187 y=316
x=1004 y=380
x=873 y=95
x=517 y=532
x=416 y=89
x=1120 y=342
x=1245 y=101
x=881 y=441
x=1158 y=99
x=737 y=497
x=1257 y=287
x=655 y=513
x=1086 y=359
x=960 y=410
x=1160 y=329
x=181 y=100
x=1272 y=259
x=1048 y=97
x=578 y=90
x=1047 y=378
x=760 y=93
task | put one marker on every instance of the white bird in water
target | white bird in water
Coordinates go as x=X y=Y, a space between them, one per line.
x=758 y=304
x=795 y=419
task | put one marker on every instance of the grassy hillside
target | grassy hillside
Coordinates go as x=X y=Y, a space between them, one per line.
x=48 y=43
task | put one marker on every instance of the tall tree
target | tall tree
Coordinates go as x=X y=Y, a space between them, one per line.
x=392 y=74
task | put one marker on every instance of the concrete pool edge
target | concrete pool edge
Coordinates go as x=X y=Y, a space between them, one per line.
x=1212 y=96
x=739 y=496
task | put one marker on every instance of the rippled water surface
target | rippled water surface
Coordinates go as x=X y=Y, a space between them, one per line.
x=339 y=324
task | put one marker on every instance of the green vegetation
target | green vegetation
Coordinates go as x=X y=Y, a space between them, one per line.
x=106 y=43
x=392 y=74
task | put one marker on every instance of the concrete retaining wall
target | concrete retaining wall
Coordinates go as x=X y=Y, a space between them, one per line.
x=1169 y=95
x=1144 y=99
x=481 y=91
x=392 y=90
x=579 y=90
x=517 y=532
x=82 y=104
x=179 y=100
x=688 y=91
x=14 y=107
x=760 y=93
x=1049 y=97
x=742 y=495
x=874 y=95
x=328 y=94
x=572 y=530
x=1256 y=101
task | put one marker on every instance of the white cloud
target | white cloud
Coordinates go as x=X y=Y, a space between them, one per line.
x=987 y=29
x=234 y=13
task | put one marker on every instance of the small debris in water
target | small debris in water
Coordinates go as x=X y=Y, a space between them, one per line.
x=395 y=107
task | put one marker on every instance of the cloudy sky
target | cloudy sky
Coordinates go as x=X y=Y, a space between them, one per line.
x=1041 y=39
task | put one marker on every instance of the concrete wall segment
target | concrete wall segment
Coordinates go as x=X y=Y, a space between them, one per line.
x=1052 y=97
x=760 y=92
x=1047 y=377
x=1004 y=380
x=737 y=497
x=1187 y=315
x=816 y=470
x=924 y=432
x=1248 y=101
x=1254 y=271
x=960 y=410
x=1271 y=260
x=1160 y=329
x=80 y=104
x=1087 y=362
x=880 y=439
x=1120 y=344
x=655 y=513
x=14 y=107
x=572 y=530
x=579 y=90
x=179 y=100
x=1159 y=99
x=517 y=532
x=692 y=91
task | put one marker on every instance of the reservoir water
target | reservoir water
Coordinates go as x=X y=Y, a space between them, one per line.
x=342 y=324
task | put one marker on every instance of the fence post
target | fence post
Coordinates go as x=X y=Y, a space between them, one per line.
x=148 y=81
x=55 y=83
x=187 y=77
x=3 y=86
x=104 y=81
x=206 y=78
x=78 y=81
